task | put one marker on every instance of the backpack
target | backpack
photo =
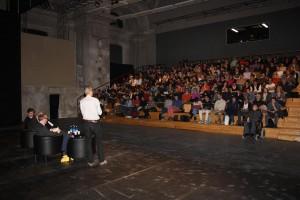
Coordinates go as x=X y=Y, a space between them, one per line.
x=184 y=118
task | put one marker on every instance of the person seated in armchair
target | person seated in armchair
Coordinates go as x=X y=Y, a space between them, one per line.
x=42 y=130
x=254 y=119
x=30 y=122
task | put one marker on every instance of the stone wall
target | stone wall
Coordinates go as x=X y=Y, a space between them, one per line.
x=38 y=98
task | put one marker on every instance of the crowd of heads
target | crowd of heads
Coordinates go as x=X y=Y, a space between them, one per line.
x=255 y=79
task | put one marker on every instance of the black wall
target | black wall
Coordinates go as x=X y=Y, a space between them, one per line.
x=10 y=70
x=209 y=41
x=116 y=54
x=118 y=70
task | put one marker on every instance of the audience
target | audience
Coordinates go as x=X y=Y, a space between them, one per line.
x=221 y=87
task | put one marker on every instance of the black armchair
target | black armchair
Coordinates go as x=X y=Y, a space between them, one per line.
x=47 y=146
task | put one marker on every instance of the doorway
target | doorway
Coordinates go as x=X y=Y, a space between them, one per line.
x=54 y=105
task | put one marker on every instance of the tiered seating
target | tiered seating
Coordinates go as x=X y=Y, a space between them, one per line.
x=289 y=127
x=211 y=128
x=200 y=84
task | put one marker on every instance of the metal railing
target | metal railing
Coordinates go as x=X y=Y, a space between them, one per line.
x=100 y=87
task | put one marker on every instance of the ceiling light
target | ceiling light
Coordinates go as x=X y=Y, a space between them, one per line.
x=265 y=25
x=234 y=30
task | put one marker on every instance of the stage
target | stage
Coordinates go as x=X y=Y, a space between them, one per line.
x=160 y=164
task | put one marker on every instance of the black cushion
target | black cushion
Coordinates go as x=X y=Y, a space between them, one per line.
x=47 y=145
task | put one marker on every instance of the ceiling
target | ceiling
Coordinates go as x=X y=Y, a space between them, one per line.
x=161 y=12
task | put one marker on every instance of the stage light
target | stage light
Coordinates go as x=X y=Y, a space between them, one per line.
x=265 y=25
x=234 y=30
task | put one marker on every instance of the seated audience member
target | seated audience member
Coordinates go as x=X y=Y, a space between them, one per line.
x=136 y=101
x=254 y=117
x=266 y=95
x=247 y=74
x=259 y=102
x=231 y=109
x=143 y=107
x=117 y=106
x=151 y=105
x=270 y=86
x=274 y=111
x=243 y=111
x=127 y=107
x=167 y=105
x=195 y=94
x=196 y=106
x=186 y=97
x=255 y=87
x=42 y=130
x=226 y=95
x=280 y=96
x=250 y=96
x=177 y=104
x=219 y=108
x=206 y=108
x=30 y=122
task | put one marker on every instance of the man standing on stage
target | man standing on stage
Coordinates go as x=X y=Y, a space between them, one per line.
x=91 y=111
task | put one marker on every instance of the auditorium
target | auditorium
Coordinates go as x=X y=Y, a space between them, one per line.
x=150 y=100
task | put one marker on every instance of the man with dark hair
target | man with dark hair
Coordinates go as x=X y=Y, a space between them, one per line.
x=42 y=130
x=91 y=111
x=30 y=122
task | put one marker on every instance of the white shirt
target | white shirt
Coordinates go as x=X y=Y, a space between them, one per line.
x=90 y=108
x=247 y=75
x=245 y=107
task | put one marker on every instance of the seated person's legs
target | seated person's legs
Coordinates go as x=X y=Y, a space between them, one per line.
x=219 y=117
x=194 y=113
x=247 y=127
x=206 y=116
x=253 y=128
x=66 y=138
x=200 y=115
x=231 y=119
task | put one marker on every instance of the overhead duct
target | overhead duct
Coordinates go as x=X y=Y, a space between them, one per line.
x=162 y=9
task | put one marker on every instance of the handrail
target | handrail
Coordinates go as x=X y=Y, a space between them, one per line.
x=99 y=87
x=81 y=96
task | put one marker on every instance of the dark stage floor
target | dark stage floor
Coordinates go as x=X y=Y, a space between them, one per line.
x=153 y=163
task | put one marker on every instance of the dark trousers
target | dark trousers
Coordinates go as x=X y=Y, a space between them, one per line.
x=250 y=128
x=93 y=130
x=241 y=116
x=65 y=142
x=231 y=118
